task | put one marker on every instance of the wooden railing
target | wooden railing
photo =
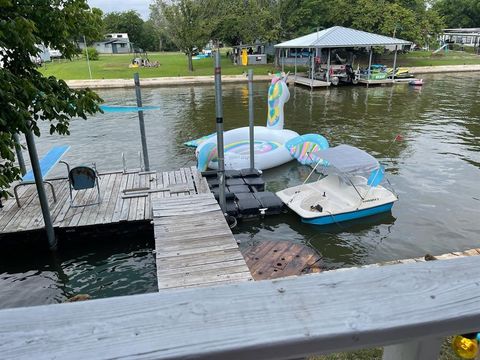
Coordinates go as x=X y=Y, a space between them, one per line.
x=407 y=308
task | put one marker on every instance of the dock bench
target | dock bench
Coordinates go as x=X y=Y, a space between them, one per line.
x=47 y=163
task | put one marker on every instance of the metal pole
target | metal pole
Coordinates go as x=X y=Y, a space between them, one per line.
x=296 y=54
x=88 y=59
x=37 y=173
x=138 y=93
x=370 y=64
x=394 y=63
x=284 y=52
x=18 y=149
x=312 y=64
x=328 y=67
x=220 y=147
x=251 y=123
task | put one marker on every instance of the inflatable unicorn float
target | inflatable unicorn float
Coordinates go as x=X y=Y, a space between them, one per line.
x=273 y=145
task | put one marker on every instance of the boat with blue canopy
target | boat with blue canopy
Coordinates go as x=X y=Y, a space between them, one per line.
x=348 y=188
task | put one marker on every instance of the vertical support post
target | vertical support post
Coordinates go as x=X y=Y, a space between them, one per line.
x=20 y=159
x=394 y=63
x=88 y=59
x=284 y=53
x=312 y=64
x=369 y=66
x=296 y=54
x=328 y=66
x=421 y=349
x=220 y=146
x=143 y=136
x=251 y=122
x=37 y=173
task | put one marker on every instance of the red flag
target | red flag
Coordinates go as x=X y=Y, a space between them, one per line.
x=398 y=138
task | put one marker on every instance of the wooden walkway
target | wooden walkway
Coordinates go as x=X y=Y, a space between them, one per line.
x=300 y=80
x=125 y=197
x=194 y=244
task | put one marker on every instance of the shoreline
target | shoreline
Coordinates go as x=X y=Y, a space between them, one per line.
x=199 y=80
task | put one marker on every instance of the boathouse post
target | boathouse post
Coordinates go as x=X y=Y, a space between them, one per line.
x=394 y=63
x=328 y=66
x=37 y=173
x=296 y=54
x=251 y=122
x=141 y=121
x=369 y=65
x=18 y=149
x=312 y=64
x=220 y=146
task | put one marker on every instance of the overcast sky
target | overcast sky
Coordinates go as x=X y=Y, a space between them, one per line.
x=141 y=6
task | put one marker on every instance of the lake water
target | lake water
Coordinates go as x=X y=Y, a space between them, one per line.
x=435 y=170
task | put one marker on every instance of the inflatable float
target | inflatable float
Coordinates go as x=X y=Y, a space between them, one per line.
x=273 y=144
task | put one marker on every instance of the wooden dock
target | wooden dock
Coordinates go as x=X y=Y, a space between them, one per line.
x=376 y=82
x=194 y=244
x=304 y=81
x=125 y=197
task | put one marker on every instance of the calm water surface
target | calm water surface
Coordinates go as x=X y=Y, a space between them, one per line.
x=435 y=170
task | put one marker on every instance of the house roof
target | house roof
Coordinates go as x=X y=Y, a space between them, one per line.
x=339 y=36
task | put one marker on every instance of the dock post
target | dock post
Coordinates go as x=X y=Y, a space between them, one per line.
x=138 y=94
x=369 y=66
x=219 y=119
x=394 y=63
x=328 y=66
x=37 y=173
x=251 y=122
x=20 y=159
x=312 y=64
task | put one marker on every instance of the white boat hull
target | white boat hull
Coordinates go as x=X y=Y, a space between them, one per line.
x=333 y=199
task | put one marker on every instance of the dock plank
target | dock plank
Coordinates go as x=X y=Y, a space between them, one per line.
x=194 y=250
x=115 y=207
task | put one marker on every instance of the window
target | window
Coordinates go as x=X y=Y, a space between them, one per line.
x=122 y=45
x=119 y=36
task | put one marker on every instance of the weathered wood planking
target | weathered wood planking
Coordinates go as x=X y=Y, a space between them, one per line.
x=194 y=245
x=115 y=206
x=272 y=319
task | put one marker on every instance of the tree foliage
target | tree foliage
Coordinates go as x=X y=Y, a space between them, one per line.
x=26 y=96
x=243 y=21
x=187 y=22
x=459 y=13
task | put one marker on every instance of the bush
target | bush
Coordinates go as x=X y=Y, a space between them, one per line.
x=92 y=53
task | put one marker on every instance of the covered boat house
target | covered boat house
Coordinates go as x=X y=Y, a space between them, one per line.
x=326 y=67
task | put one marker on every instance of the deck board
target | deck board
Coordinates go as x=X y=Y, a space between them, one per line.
x=197 y=250
x=113 y=208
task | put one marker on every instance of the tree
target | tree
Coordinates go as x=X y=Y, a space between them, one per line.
x=459 y=13
x=187 y=23
x=26 y=96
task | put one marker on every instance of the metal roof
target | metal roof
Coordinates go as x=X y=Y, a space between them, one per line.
x=339 y=36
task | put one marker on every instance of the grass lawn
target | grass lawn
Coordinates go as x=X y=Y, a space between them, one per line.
x=426 y=58
x=175 y=64
x=116 y=67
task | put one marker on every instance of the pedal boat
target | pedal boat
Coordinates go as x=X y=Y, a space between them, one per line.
x=341 y=194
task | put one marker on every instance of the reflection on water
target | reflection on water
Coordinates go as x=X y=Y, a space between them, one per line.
x=435 y=171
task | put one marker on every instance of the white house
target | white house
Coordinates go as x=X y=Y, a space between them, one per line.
x=115 y=43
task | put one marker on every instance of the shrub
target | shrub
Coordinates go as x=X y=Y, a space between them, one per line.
x=92 y=53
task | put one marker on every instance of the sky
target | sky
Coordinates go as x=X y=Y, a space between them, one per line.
x=141 y=6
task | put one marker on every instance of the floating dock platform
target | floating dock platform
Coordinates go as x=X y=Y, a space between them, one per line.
x=194 y=245
x=126 y=197
x=376 y=82
x=304 y=81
